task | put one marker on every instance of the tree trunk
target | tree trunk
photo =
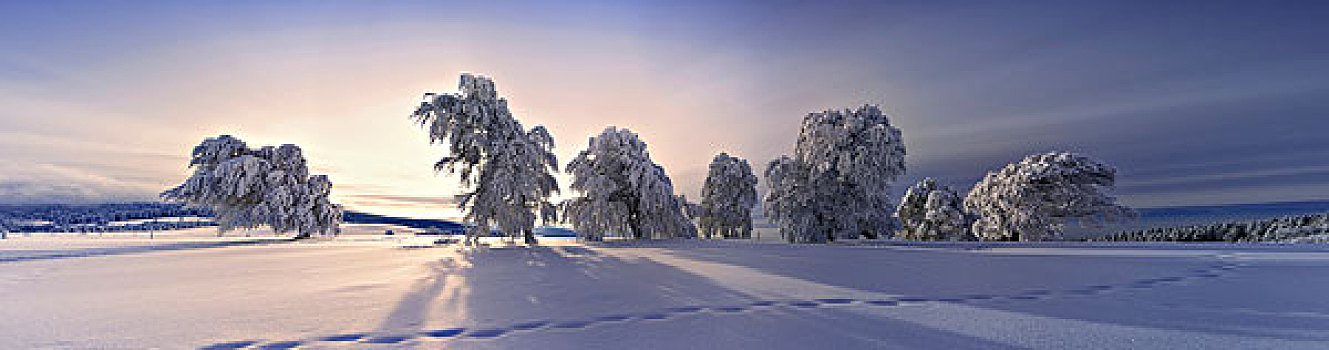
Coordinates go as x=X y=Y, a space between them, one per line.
x=634 y=220
x=635 y=225
x=530 y=237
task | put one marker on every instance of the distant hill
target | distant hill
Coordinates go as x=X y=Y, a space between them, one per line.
x=446 y=226
x=355 y=217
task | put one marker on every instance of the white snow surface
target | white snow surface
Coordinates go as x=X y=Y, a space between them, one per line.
x=363 y=290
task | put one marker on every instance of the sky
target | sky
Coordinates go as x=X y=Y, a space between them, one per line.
x=1196 y=103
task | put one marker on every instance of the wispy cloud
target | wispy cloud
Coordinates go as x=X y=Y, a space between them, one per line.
x=49 y=183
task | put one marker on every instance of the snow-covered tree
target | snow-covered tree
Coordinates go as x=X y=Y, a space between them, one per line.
x=248 y=188
x=945 y=218
x=932 y=212
x=727 y=198
x=793 y=203
x=508 y=169
x=1035 y=199
x=913 y=207
x=622 y=192
x=838 y=183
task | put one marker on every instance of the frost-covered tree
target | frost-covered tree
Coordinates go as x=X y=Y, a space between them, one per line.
x=1035 y=199
x=727 y=198
x=248 y=188
x=930 y=212
x=945 y=218
x=838 y=183
x=691 y=210
x=912 y=210
x=622 y=192
x=793 y=203
x=508 y=169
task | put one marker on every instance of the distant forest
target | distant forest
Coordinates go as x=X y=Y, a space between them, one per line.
x=1298 y=228
x=99 y=217
x=155 y=216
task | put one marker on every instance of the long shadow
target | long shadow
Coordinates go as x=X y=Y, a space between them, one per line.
x=575 y=297
x=574 y=290
x=1188 y=294
x=413 y=310
x=38 y=255
x=602 y=285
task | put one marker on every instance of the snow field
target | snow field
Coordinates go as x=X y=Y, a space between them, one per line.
x=370 y=292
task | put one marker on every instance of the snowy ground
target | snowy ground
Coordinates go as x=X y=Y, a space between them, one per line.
x=369 y=291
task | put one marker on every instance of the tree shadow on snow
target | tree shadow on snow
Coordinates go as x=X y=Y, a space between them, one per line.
x=578 y=297
x=1186 y=294
x=556 y=295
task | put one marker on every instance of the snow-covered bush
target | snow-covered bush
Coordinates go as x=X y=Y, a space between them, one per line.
x=509 y=169
x=247 y=188
x=1035 y=199
x=727 y=198
x=622 y=192
x=838 y=183
x=929 y=212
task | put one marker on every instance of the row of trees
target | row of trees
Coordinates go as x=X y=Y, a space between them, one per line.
x=1032 y=200
x=1267 y=230
x=508 y=172
x=97 y=214
x=96 y=218
x=836 y=185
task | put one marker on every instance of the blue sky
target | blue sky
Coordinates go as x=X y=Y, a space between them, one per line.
x=1205 y=102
